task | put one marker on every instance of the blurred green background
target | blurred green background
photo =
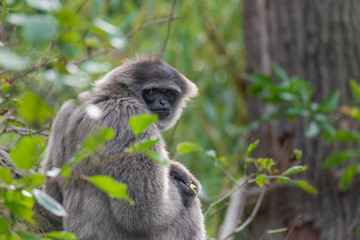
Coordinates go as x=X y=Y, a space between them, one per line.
x=52 y=50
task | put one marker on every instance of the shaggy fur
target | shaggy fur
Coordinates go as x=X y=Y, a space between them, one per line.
x=162 y=211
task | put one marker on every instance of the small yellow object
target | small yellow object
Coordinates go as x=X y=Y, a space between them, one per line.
x=193 y=187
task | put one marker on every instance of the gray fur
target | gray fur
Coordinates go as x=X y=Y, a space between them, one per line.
x=161 y=210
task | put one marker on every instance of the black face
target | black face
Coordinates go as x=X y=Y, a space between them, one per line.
x=160 y=101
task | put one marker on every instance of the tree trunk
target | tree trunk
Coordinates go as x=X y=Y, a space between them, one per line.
x=317 y=41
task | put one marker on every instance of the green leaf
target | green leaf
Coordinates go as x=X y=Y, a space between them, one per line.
x=4 y=226
x=44 y=5
x=286 y=96
x=27 y=236
x=61 y=235
x=49 y=203
x=96 y=67
x=33 y=109
x=223 y=160
x=88 y=148
x=329 y=131
x=11 y=61
x=279 y=230
x=96 y=140
x=140 y=122
x=294 y=170
x=312 y=129
x=142 y=145
x=27 y=152
x=33 y=181
x=347 y=176
x=118 y=42
x=331 y=103
x=338 y=158
x=283 y=180
x=65 y=170
x=111 y=187
x=187 y=147
x=13 y=122
x=10 y=236
x=306 y=186
x=342 y=135
x=266 y=163
x=211 y=153
x=39 y=28
x=280 y=73
x=298 y=154
x=351 y=111
x=107 y=27
x=156 y=157
x=261 y=179
x=20 y=204
x=355 y=89
x=5 y=175
x=260 y=79
x=250 y=160
x=251 y=147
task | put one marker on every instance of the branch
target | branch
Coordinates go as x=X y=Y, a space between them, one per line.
x=168 y=30
x=156 y=21
x=234 y=212
x=24 y=72
x=26 y=132
x=225 y=196
x=252 y=215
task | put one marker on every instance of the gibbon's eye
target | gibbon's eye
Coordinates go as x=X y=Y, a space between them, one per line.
x=151 y=92
x=169 y=94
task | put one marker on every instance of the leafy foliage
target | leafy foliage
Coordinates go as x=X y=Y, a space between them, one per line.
x=54 y=49
x=292 y=97
x=27 y=152
x=49 y=203
x=60 y=235
x=113 y=188
x=139 y=123
x=187 y=147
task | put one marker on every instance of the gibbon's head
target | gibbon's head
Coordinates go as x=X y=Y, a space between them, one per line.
x=162 y=88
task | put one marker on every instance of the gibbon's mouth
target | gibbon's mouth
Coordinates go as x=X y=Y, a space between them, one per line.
x=162 y=114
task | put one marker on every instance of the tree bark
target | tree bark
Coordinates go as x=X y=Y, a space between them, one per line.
x=317 y=41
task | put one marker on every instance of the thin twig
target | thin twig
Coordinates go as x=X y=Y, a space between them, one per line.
x=156 y=21
x=224 y=197
x=252 y=215
x=227 y=174
x=127 y=36
x=172 y=134
x=3 y=35
x=290 y=231
x=25 y=132
x=26 y=71
x=77 y=173
x=168 y=30
x=88 y=56
x=217 y=210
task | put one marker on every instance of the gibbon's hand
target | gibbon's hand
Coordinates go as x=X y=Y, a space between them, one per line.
x=187 y=186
